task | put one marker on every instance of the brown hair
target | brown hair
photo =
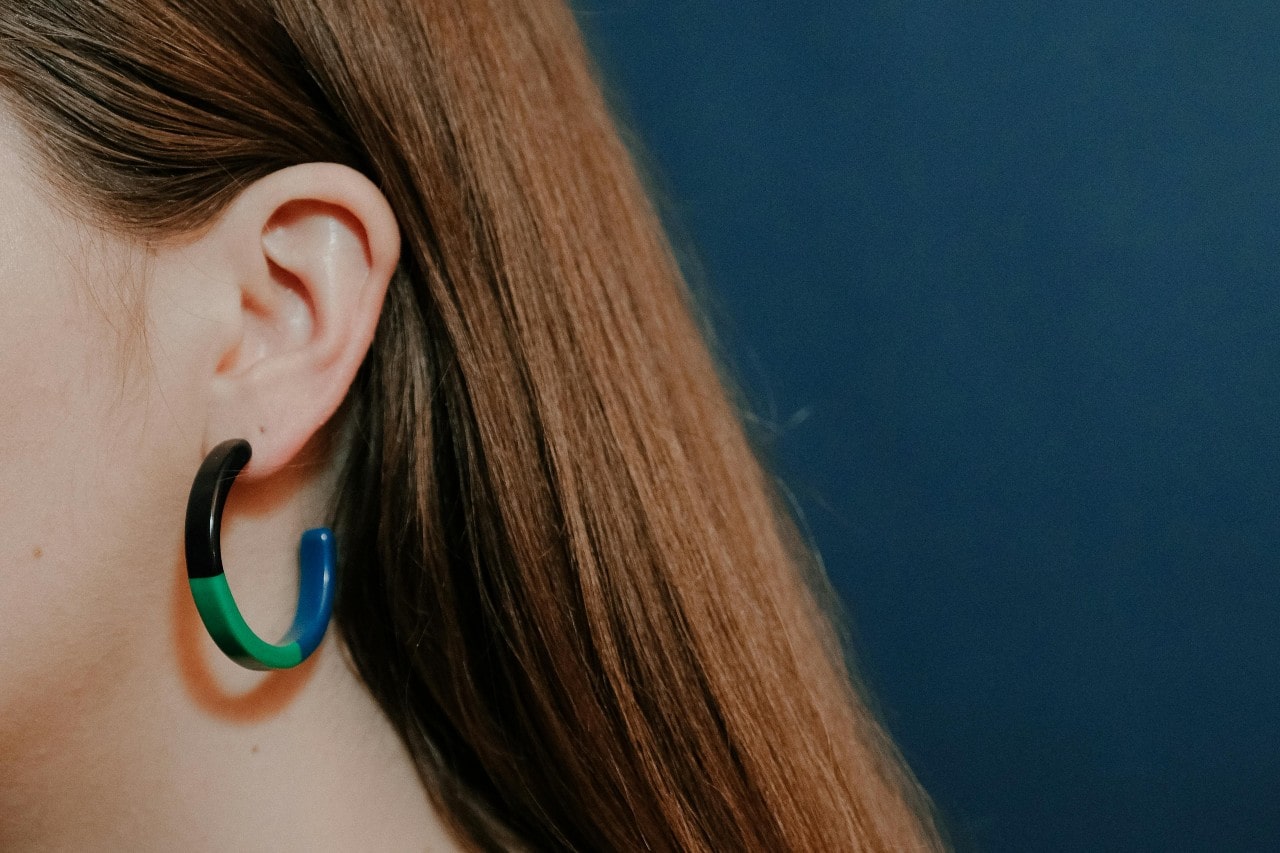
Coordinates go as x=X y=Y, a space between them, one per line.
x=572 y=585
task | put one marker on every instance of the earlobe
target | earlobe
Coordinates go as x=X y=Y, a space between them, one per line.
x=322 y=245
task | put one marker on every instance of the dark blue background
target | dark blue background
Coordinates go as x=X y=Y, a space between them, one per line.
x=1004 y=274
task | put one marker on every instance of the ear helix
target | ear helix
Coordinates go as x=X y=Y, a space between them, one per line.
x=213 y=598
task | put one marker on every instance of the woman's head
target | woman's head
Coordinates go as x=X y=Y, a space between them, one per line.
x=400 y=247
x=124 y=361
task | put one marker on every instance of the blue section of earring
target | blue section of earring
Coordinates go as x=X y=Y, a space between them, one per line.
x=318 y=557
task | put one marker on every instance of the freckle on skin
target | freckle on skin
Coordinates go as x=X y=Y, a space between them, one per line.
x=254 y=749
x=262 y=429
x=37 y=552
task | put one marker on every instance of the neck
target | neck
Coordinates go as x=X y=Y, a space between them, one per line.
x=190 y=756
x=153 y=740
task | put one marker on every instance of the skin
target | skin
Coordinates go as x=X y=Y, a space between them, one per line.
x=121 y=365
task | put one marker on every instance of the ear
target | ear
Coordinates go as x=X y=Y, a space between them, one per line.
x=311 y=250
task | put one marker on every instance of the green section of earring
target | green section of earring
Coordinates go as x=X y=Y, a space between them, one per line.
x=232 y=634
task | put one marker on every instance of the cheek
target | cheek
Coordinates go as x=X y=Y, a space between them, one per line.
x=46 y=409
x=48 y=415
x=77 y=476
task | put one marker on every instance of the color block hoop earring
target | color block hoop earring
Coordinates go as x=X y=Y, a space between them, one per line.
x=209 y=587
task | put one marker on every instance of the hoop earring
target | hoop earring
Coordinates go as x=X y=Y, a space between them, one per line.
x=214 y=601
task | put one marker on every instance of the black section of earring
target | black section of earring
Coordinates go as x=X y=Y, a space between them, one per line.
x=209 y=492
